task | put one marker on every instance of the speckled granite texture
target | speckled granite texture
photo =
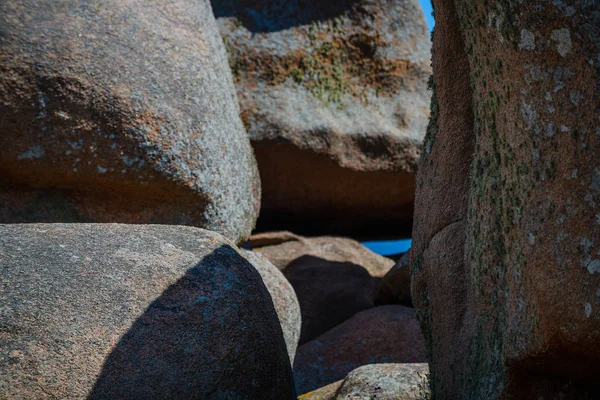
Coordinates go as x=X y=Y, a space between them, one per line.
x=121 y=111
x=284 y=299
x=109 y=311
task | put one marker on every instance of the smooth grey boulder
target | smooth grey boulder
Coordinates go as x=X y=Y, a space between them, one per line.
x=121 y=111
x=109 y=311
x=284 y=299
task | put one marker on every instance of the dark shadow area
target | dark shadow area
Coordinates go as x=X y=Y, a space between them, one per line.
x=535 y=380
x=329 y=292
x=312 y=225
x=310 y=193
x=23 y=204
x=276 y=15
x=214 y=334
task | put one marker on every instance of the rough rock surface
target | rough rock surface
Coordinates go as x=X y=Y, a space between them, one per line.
x=394 y=287
x=387 y=334
x=284 y=299
x=334 y=278
x=121 y=111
x=506 y=245
x=281 y=248
x=385 y=382
x=135 y=312
x=377 y=381
x=334 y=98
x=329 y=292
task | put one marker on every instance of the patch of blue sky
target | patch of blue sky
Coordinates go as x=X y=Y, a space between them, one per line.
x=388 y=247
x=426 y=6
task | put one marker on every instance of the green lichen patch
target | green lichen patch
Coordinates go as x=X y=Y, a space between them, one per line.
x=333 y=65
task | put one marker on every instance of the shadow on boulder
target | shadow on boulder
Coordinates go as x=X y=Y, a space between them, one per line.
x=213 y=334
x=329 y=292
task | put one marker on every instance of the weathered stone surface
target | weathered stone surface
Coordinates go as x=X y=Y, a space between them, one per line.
x=329 y=292
x=385 y=382
x=334 y=98
x=284 y=299
x=378 y=381
x=387 y=334
x=281 y=248
x=334 y=278
x=394 y=287
x=506 y=239
x=121 y=111
x=108 y=311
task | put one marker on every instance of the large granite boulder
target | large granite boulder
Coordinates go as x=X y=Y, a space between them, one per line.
x=333 y=95
x=108 y=311
x=506 y=244
x=121 y=111
x=329 y=292
x=284 y=299
x=386 y=334
x=334 y=278
x=378 y=381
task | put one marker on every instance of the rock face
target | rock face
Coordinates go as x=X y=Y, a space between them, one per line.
x=329 y=292
x=377 y=381
x=334 y=278
x=385 y=382
x=121 y=111
x=281 y=248
x=394 y=287
x=333 y=95
x=387 y=334
x=506 y=245
x=107 y=311
x=284 y=299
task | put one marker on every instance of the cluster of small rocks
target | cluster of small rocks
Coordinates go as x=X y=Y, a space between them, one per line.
x=130 y=189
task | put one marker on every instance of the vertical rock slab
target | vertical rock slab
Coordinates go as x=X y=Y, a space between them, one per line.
x=334 y=98
x=121 y=111
x=109 y=311
x=507 y=231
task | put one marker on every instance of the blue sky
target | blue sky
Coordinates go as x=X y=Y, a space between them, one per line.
x=388 y=247
x=426 y=5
